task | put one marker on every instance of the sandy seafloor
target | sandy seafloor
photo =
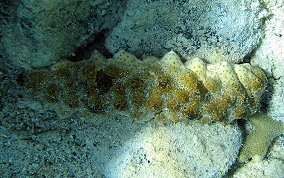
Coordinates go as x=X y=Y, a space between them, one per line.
x=36 y=142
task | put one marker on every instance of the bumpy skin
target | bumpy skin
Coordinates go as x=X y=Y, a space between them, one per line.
x=164 y=88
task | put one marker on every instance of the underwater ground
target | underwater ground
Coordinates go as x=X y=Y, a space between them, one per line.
x=142 y=88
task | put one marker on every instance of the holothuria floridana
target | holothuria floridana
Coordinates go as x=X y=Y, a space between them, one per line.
x=151 y=88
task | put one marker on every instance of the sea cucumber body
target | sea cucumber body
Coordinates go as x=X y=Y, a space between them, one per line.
x=151 y=88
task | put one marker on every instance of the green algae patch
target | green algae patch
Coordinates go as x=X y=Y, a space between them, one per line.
x=151 y=88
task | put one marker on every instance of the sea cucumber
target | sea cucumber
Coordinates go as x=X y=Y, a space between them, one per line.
x=151 y=88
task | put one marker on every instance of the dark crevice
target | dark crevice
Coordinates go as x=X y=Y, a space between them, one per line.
x=21 y=79
x=97 y=43
x=266 y=97
x=247 y=58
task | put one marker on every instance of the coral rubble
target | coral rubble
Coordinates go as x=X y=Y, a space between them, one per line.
x=150 y=88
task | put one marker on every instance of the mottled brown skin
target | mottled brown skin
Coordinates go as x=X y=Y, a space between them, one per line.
x=142 y=89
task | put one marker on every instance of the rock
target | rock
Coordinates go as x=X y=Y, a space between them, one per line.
x=177 y=150
x=270 y=57
x=38 y=33
x=212 y=30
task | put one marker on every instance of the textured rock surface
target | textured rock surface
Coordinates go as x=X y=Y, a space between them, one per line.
x=270 y=57
x=38 y=33
x=104 y=147
x=151 y=88
x=179 y=150
x=73 y=147
x=213 y=30
x=266 y=168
